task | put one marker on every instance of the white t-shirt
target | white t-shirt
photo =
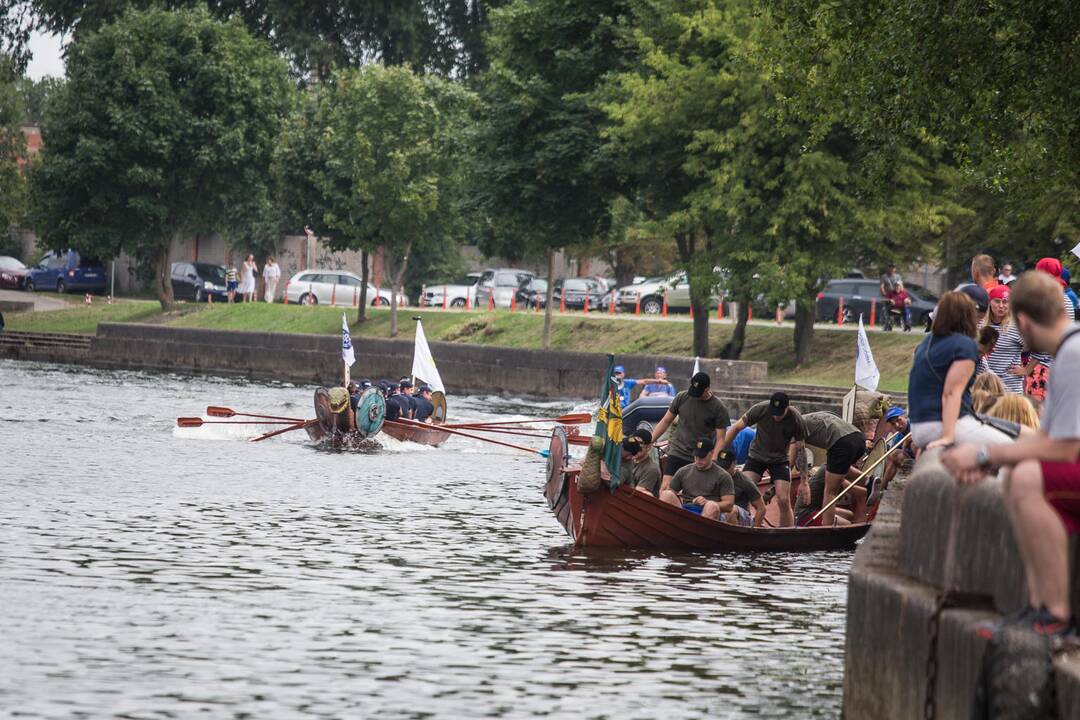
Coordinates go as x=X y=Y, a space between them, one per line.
x=271 y=272
x=1061 y=409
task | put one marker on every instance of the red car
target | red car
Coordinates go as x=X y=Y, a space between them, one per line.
x=12 y=273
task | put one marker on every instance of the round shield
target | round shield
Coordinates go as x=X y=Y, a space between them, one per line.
x=371 y=412
x=557 y=461
x=438 y=415
x=326 y=417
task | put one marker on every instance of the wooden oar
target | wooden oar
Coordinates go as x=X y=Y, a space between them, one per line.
x=297 y=426
x=571 y=419
x=193 y=422
x=863 y=474
x=414 y=423
x=224 y=412
x=505 y=431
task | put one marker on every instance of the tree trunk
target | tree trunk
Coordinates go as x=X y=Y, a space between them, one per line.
x=733 y=349
x=395 y=284
x=804 y=330
x=701 y=325
x=361 y=311
x=547 y=305
x=163 y=278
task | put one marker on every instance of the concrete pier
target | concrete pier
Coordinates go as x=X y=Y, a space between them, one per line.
x=937 y=547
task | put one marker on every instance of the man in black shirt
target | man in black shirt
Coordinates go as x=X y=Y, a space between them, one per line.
x=422 y=402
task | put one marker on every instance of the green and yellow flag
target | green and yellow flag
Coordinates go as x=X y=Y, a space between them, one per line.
x=609 y=424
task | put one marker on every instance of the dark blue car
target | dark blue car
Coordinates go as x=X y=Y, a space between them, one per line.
x=67 y=270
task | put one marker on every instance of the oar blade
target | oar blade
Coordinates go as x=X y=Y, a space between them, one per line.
x=575 y=419
x=189 y=422
x=215 y=411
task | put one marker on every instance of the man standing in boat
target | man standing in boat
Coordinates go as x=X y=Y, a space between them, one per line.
x=777 y=425
x=659 y=385
x=702 y=487
x=844 y=444
x=640 y=467
x=701 y=414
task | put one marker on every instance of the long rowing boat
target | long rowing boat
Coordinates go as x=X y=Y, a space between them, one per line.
x=412 y=432
x=630 y=519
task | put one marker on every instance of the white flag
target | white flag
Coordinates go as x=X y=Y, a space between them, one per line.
x=346 y=343
x=866 y=372
x=697 y=367
x=1076 y=250
x=423 y=364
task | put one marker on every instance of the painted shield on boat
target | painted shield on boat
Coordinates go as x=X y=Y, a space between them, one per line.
x=371 y=412
x=323 y=413
x=438 y=415
x=557 y=461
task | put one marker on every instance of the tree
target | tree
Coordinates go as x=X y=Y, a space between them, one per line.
x=542 y=179
x=12 y=148
x=34 y=95
x=164 y=128
x=376 y=159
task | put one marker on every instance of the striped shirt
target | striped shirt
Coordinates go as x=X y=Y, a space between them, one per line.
x=1006 y=354
x=1046 y=358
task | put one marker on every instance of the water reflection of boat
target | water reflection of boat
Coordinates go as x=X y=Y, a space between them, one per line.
x=630 y=519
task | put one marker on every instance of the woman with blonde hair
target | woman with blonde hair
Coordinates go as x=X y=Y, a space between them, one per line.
x=1017 y=409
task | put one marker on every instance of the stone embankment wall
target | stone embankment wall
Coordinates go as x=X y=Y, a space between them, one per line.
x=464 y=368
x=936 y=537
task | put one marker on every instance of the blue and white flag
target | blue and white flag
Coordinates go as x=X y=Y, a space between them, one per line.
x=346 y=343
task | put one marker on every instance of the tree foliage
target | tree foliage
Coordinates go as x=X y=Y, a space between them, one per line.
x=165 y=127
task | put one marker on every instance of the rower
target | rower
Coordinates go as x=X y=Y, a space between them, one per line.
x=747 y=494
x=640 y=466
x=741 y=445
x=811 y=500
x=844 y=444
x=702 y=487
x=898 y=423
x=354 y=395
x=396 y=407
x=701 y=414
x=626 y=385
x=777 y=425
x=424 y=406
x=406 y=387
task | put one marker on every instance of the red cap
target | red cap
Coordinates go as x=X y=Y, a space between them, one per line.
x=1051 y=266
x=999 y=292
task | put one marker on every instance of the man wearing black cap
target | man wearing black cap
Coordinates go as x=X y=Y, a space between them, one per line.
x=747 y=494
x=405 y=387
x=423 y=404
x=702 y=486
x=777 y=425
x=640 y=468
x=701 y=415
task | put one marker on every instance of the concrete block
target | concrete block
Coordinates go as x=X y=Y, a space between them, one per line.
x=1067 y=675
x=960 y=538
x=960 y=653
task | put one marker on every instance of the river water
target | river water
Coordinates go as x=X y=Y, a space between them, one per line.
x=151 y=572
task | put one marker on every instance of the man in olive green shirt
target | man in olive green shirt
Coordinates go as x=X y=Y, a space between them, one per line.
x=640 y=466
x=844 y=444
x=701 y=484
x=701 y=415
x=777 y=425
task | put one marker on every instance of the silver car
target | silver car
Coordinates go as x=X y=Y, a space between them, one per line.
x=651 y=293
x=334 y=287
x=501 y=284
x=457 y=295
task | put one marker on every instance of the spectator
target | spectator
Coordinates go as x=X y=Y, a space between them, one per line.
x=890 y=280
x=1004 y=359
x=942 y=373
x=271 y=275
x=1006 y=277
x=899 y=302
x=231 y=277
x=1040 y=362
x=1017 y=409
x=658 y=388
x=981 y=298
x=247 y=278
x=983 y=272
x=986 y=391
x=1066 y=278
x=987 y=341
x=1042 y=484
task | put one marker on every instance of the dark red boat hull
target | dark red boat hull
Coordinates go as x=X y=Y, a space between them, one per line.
x=413 y=433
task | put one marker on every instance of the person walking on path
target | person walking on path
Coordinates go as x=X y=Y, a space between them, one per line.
x=247 y=278
x=231 y=281
x=271 y=275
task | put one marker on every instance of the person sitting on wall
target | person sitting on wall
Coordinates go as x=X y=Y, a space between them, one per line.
x=778 y=425
x=659 y=385
x=640 y=467
x=702 y=487
x=747 y=495
x=1042 y=470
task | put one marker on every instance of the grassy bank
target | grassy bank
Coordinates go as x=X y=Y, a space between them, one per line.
x=832 y=363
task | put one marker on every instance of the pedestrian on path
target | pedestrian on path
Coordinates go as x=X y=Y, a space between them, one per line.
x=271 y=275
x=247 y=278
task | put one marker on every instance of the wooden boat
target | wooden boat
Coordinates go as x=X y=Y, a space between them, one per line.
x=334 y=428
x=630 y=519
x=409 y=432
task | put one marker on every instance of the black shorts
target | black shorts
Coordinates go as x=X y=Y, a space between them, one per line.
x=777 y=471
x=672 y=464
x=844 y=453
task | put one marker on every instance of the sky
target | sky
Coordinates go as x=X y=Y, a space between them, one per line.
x=47 y=60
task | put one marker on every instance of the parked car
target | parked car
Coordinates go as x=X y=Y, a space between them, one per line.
x=199 y=281
x=64 y=270
x=12 y=273
x=571 y=293
x=334 y=287
x=858 y=296
x=458 y=294
x=651 y=293
x=532 y=293
x=501 y=284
